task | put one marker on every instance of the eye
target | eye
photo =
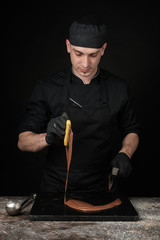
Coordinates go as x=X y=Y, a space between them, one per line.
x=93 y=55
x=78 y=54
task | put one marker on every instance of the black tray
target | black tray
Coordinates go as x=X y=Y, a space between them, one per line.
x=50 y=207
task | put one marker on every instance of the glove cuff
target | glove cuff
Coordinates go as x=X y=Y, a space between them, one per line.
x=49 y=139
x=54 y=139
x=123 y=155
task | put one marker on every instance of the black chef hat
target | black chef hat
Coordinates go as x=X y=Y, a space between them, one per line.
x=87 y=32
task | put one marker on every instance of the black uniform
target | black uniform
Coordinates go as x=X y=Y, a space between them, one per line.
x=95 y=110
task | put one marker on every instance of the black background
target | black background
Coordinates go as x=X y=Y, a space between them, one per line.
x=33 y=47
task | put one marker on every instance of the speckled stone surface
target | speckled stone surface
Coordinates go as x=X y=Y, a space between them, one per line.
x=21 y=228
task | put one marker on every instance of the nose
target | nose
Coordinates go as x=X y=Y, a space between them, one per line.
x=86 y=61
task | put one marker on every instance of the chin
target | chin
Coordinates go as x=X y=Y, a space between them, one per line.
x=87 y=74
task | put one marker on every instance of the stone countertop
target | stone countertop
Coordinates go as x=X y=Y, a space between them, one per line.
x=21 y=228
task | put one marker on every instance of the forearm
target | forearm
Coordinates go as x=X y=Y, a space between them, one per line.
x=32 y=142
x=130 y=144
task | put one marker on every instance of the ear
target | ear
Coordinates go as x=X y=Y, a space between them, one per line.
x=103 y=48
x=68 y=45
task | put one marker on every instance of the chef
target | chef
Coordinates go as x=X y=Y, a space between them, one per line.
x=96 y=101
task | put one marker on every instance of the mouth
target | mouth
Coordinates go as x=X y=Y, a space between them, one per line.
x=85 y=70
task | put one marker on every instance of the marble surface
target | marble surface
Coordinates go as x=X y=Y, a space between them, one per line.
x=21 y=228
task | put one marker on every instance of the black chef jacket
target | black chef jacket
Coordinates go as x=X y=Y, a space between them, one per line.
x=45 y=102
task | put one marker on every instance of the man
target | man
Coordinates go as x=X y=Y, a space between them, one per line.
x=96 y=102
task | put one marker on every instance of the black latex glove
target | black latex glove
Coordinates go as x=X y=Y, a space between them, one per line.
x=56 y=129
x=122 y=161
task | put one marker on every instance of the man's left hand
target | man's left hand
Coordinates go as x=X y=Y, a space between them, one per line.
x=122 y=161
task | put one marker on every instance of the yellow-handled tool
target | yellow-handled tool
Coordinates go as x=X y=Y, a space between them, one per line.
x=67 y=133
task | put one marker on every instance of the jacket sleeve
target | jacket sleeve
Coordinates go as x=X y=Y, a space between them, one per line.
x=36 y=117
x=127 y=120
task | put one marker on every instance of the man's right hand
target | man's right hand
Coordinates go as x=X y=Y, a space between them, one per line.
x=56 y=129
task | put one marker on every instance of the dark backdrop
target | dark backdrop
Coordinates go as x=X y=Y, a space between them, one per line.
x=33 y=47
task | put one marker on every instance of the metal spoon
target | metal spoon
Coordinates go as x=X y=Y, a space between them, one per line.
x=14 y=208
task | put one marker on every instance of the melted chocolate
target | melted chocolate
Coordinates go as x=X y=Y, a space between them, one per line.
x=78 y=204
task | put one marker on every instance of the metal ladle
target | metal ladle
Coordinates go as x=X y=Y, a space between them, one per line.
x=14 y=208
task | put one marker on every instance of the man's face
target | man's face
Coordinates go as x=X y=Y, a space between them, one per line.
x=85 y=60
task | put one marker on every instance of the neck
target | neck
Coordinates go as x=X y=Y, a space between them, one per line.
x=86 y=79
